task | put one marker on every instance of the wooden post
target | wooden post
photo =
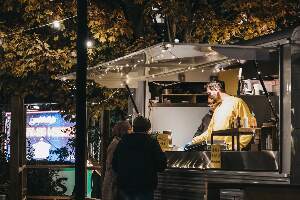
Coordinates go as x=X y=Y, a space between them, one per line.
x=17 y=149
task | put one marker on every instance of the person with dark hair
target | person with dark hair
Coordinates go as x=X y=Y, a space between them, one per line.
x=228 y=110
x=109 y=187
x=136 y=160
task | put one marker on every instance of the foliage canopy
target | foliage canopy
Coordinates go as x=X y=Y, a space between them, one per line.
x=32 y=55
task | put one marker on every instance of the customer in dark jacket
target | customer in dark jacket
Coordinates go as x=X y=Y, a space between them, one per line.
x=136 y=160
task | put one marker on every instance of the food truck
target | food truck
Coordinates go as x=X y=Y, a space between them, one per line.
x=168 y=81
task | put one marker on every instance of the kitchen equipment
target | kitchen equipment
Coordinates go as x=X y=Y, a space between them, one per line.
x=167 y=91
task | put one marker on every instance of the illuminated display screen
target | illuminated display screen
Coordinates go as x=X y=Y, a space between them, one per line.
x=46 y=131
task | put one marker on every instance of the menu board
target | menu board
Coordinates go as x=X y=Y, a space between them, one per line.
x=215 y=156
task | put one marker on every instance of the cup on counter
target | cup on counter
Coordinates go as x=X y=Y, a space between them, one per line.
x=167 y=100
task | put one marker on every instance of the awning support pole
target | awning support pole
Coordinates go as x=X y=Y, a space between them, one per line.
x=266 y=93
x=81 y=136
x=131 y=98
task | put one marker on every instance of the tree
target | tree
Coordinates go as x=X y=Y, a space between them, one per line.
x=33 y=57
x=224 y=21
x=122 y=26
x=34 y=53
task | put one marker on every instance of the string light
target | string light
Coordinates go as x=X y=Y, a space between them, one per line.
x=161 y=74
x=183 y=70
x=56 y=25
x=173 y=56
x=108 y=98
x=165 y=85
x=112 y=65
x=169 y=45
x=53 y=24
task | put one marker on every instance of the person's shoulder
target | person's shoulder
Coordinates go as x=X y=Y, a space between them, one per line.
x=122 y=140
x=135 y=137
x=152 y=140
x=239 y=100
x=143 y=137
x=146 y=137
x=236 y=99
x=114 y=142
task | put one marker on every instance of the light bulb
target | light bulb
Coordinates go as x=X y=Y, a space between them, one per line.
x=168 y=45
x=89 y=44
x=56 y=24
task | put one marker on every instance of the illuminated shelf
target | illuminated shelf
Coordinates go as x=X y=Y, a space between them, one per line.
x=185 y=98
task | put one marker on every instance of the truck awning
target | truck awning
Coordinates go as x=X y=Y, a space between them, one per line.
x=170 y=58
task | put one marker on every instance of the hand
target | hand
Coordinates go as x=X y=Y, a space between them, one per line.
x=200 y=138
x=197 y=139
x=187 y=145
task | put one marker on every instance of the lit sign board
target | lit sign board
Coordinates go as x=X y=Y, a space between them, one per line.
x=46 y=130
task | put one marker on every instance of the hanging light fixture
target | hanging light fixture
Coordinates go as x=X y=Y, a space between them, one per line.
x=56 y=25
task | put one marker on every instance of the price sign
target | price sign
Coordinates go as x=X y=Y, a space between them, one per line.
x=163 y=141
x=215 y=156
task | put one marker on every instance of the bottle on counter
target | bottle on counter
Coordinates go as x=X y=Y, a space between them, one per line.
x=237 y=122
x=169 y=133
x=252 y=121
x=245 y=122
x=230 y=123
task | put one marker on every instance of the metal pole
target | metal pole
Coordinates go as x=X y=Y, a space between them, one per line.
x=281 y=90
x=266 y=92
x=17 y=148
x=131 y=98
x=81 y=139
x=105 y=127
